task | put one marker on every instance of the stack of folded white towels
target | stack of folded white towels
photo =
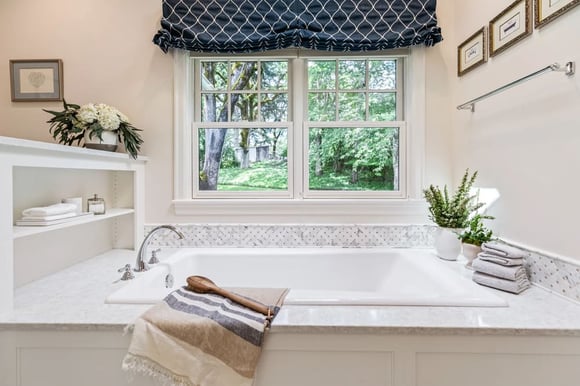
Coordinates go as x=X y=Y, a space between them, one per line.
x=49 y=213
x=501 y=266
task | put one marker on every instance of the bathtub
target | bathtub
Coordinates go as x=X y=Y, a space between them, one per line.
x=318 y=276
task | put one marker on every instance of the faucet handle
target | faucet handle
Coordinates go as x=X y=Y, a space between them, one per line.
x=127 y=273
x=154 y=259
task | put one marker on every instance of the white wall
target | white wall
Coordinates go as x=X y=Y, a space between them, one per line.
x=525 y=141
x=109 y=57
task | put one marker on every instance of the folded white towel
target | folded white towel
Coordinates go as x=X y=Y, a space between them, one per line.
x=508 y=262
x=503 y=250
x=504 y=272
x=50 y=210
x=513 y=286
x=49 y=218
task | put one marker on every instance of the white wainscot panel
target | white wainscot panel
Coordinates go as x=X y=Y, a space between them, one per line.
x=461 y=369
x=328 y=368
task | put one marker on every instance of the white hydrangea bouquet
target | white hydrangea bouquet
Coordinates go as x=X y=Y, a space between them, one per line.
x=77 y=123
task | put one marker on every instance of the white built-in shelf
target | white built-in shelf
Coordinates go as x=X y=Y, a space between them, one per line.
x=26 y=146
x=24 y=231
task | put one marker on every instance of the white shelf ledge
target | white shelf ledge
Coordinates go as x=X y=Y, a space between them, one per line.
x=24 y=231
x=29 y=146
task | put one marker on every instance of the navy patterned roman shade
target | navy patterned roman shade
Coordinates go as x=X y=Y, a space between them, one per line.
x=241 y=26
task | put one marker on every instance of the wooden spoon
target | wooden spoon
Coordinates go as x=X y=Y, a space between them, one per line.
x=202 y=285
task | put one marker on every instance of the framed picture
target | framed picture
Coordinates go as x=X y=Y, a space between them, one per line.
x=36 y=80
x=548 y=10
x=510 y=26
x=471 y=53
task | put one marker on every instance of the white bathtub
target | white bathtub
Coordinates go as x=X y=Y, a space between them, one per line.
x=319 y=276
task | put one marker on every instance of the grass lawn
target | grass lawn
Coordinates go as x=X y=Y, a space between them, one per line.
x=267 y=175
x=273 y=175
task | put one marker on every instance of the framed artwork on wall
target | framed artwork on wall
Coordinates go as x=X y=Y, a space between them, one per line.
x=471 y=53
x=548 y=10
x=36 y=80
x=509 y=27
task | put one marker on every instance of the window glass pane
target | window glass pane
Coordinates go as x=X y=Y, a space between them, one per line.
x=214 y=75
x=351 y=74
x=244 y=76
x=354 y=159
x=351 y=106
x=321 y=74
x=245 y=107
x=382 y=106
x=274 y=107
x=382 y=74
x=322 y=106
x=275 y=75
x=213 y=108
x=243 y=159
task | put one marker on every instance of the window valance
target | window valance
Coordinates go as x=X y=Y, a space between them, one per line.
x=242 y=26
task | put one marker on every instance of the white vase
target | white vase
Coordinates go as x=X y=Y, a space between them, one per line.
x=470 y=251
x=447 y=243
x=109 y=142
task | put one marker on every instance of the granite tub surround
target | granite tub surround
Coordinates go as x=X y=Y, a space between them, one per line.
x=73 y=299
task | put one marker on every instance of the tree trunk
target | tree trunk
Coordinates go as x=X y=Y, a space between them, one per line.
x=245 y=145
x=214 y=138
x=318 y=164
x=214 y=143
x=354 y=176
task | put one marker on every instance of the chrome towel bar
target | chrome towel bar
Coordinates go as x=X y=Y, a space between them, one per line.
x=568 y=69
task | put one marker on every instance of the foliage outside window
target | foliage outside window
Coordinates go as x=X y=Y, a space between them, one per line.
x=247 y=139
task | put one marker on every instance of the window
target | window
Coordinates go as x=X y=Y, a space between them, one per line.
x=298 y=127
x=242 y=135
x=354 y=127
x=287 y=103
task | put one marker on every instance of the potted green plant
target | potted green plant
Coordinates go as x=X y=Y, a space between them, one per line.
x=99 y=126
x=451 y=213
x=475 y=235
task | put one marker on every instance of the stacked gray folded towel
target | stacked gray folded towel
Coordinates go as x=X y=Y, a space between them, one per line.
x=501 y=266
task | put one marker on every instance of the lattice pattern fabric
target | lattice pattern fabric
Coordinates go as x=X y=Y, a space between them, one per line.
x=241 y=26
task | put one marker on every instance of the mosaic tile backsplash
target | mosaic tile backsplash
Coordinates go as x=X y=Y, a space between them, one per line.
x=551 y=273
x=295 y=236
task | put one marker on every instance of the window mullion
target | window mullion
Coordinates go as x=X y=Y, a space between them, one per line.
x=336 y=93
x=299 y=96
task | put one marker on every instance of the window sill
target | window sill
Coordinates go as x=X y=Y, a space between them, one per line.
x=401 y=211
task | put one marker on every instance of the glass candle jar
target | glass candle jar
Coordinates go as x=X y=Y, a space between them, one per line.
x=96 y=205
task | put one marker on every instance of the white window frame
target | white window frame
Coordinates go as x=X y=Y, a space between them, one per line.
x=407 y=207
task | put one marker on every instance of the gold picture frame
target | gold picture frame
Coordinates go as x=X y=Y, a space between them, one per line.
x=509 y=27
x=36 y=80
x=548 y=10
x=472 y=52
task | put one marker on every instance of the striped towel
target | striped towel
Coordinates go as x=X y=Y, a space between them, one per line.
x=195 y=339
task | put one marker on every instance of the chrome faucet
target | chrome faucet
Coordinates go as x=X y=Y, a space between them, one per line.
x=141 y=263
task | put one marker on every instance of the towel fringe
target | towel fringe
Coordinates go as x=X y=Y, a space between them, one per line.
x=150 y=368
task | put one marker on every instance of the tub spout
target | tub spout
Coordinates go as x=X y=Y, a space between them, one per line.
x=141 y=263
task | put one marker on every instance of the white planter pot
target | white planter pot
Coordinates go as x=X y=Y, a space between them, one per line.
x=470 y=251
x=447 y=243
x=109 y=142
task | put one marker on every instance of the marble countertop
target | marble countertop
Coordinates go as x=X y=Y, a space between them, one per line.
x=73 y=299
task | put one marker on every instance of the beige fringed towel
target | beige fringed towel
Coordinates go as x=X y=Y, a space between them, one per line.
x=193 y=339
